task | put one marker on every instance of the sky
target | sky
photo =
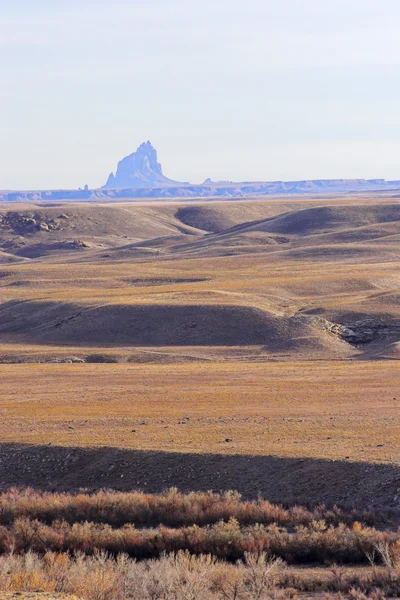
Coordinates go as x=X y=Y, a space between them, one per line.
x=228 y=89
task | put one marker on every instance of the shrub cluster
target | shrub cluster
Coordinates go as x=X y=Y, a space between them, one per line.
x=171 y=508
x=198 y=546
x=182 y=576
x=315 y=543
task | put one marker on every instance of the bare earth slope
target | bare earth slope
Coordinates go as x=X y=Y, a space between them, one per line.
x=150 y=325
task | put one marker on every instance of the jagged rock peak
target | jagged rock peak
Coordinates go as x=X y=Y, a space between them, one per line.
x=139 y=170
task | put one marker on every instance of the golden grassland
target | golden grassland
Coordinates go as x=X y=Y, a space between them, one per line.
x=251 y=281
x=280 y=404
x=335 y=410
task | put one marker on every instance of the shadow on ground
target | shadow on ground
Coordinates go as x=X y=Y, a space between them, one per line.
x=286 y=480
x=149 y=325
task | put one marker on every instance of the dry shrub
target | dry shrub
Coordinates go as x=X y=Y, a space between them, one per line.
x=96 y=578
x=260 y=574
x=25 y=573
x=171 y=508
x=375 y=594
x=153 y=580
x=191 y=579
x=316 y=543
x=229 y=583
x=389 y=553
x=252 y=580
x=182 y=576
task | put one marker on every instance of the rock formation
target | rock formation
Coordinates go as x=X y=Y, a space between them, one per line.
x=139 y=170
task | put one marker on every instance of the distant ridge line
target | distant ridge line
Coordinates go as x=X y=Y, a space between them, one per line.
x=140 y=175
x=208 y=190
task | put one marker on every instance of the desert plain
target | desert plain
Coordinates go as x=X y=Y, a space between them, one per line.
x=179 y=334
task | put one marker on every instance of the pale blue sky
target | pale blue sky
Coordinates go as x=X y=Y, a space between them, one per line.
x=227 y=89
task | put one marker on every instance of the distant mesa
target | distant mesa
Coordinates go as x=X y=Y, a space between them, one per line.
x=139 y=170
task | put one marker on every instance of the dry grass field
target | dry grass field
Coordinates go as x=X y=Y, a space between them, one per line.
x=333 y=410
x=262 y=328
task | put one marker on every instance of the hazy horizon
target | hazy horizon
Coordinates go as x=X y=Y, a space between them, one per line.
x=244 y=92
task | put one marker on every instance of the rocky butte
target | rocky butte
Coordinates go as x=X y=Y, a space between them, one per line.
x=140 y=175
x=139 y=170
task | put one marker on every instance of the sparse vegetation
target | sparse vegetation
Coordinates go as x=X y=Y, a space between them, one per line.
x=181 y=576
